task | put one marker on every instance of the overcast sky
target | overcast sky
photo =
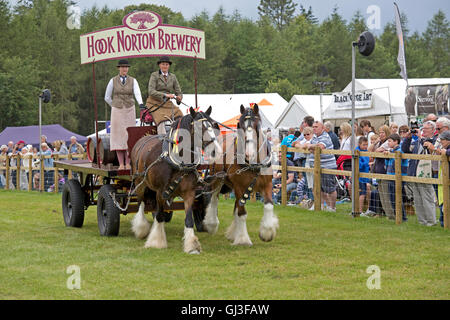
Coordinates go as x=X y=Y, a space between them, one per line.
x=419 y=12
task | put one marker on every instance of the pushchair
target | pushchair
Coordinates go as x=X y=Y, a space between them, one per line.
x=343 y=182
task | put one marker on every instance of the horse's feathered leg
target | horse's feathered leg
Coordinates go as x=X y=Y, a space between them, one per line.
x=211 y=220
x=237 y=232
x=140 y=224
x=157 y=237
x=269 y=222
x=190 y=241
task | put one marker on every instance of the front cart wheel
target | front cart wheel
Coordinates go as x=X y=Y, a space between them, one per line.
x=73 y=204
x=108 y=215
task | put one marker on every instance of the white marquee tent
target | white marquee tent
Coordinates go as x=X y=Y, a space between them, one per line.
x=388 y=97
x=227 y=106
x=301 y=106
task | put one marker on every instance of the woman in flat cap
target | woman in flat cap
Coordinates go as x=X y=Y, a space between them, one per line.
x=163 y=85
x=120 y=94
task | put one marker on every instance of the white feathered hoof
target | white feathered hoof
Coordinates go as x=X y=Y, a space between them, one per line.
x=269 y=224
x=230 y=234
x=191 y=244
x=243 y=240
x=267 y=234
x=241 y=237
x=211 y=228
x=140 y=225
x=157 y=237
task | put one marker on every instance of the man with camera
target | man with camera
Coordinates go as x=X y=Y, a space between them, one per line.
x=424 y=194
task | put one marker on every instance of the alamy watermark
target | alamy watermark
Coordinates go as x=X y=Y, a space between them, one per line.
x=374 y=281
x=74 y=280
x=374 y=19
x=74 y=19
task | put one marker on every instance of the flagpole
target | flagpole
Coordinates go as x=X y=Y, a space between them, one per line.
x=401 y=57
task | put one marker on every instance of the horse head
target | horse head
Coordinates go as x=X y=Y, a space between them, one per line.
x=249 y=131
x=194 y=132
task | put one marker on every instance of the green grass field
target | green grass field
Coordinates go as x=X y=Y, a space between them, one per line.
x=314 y=256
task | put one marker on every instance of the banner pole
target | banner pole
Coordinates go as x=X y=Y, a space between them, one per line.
x=95 y=114
x=355 y=197
x=195 y=81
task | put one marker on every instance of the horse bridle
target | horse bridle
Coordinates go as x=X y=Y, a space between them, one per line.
x=172 y=136
x=250 y=118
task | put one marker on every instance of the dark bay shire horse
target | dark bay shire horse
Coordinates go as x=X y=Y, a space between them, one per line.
x=165 y=167
x=247 y=163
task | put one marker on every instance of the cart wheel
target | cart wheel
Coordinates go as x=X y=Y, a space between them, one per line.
x=73 y=204
x=108 y=215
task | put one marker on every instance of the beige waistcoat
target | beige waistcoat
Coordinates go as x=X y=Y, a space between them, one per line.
x=123 y=96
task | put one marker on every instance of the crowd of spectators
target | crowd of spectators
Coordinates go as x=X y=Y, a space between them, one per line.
x=57 y=147
x=376 y=196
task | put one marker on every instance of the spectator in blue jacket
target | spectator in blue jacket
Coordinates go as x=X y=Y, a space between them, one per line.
x=48 y=163
x=287 y=141
x=363 y=144
x=394 y=146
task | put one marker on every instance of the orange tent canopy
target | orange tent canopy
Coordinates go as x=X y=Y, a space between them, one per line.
x=232 y=123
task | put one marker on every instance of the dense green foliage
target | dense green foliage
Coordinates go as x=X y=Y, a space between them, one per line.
x=242 y=56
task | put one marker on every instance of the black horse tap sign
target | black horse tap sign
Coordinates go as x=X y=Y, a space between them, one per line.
x=141 y=35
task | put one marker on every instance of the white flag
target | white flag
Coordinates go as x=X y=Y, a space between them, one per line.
x=401 y=47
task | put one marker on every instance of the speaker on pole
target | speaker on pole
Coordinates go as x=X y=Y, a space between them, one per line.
x=366 y=43
x=45 y=96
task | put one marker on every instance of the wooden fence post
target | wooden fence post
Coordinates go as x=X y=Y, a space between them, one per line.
x=398 y=187
x=8 y=173
x=283 y=175
x=30 y=172
x=355 y=197
x=317 y=185
x=18 y=166
x=41 y=174
x=70 y=171
x=446 y=190
x=55 y=176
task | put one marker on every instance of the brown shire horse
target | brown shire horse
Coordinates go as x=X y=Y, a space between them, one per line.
x=160 y=175
x=247 y=163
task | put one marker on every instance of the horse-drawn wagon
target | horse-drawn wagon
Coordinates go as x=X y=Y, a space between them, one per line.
x=171 y=166
x=110 y=189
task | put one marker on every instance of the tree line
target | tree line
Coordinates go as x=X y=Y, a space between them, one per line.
x=282 y=51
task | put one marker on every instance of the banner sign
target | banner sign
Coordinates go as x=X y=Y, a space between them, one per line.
x=427 y=99
x=343 y=100
x=142 y=35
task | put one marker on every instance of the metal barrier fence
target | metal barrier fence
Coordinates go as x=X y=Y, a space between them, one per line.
x=443 y=181
x=29 y=173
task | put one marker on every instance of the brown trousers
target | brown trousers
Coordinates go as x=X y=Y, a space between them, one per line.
x=164 y=112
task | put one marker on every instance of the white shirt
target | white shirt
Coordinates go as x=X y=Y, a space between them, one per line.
x=369 y=135
x=109 y=90
x=346 y=144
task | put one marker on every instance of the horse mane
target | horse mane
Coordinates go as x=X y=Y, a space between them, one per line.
x=183 y=122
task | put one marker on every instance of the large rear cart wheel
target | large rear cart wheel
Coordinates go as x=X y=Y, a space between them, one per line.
x=108 y=215
x=73 y=204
